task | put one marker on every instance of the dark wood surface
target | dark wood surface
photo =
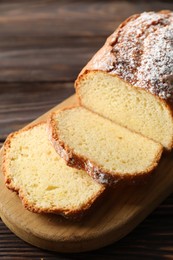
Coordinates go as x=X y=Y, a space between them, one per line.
x=43 y=46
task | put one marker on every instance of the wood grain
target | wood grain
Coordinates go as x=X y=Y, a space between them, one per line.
x=52 y=40
x=122 y=209
x=152 y=239
x=22 y=103
x=32 y=32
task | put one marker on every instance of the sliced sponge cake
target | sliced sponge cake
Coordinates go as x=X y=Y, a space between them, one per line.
x=42 y=179
x=107 y=151
x=130 y=79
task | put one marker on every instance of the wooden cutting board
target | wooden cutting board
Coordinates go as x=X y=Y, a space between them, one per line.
x=119 y=212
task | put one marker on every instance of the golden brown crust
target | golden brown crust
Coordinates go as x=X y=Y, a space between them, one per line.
x=72 y=214
x=102 y=176
x=146 y=66
x=140 y=52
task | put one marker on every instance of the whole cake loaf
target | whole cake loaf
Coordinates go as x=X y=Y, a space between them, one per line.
x=130 y=79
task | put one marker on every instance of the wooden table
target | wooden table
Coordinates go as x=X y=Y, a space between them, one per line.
x=43 y=46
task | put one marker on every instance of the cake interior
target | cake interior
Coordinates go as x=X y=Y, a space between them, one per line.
x=128 y=106
x=107 y=145
x=43 y=179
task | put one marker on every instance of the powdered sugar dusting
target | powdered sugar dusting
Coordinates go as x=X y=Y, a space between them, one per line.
x=141 y=52
x=156 y=68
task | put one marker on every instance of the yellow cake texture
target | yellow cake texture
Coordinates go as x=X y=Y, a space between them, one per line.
x=130 y=79
x=107 y=151
x=43 y=181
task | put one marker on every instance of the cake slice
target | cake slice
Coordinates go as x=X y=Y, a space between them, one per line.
x=130 y=79
x=43 y=181
x=107 y=151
